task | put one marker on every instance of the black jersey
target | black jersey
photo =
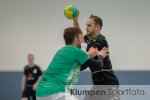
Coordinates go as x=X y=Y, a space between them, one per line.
x=32 y=74
x=106 y=76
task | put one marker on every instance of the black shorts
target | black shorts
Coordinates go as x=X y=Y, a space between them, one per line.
x=29 y=93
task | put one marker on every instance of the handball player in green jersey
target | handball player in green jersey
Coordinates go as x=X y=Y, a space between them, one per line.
x=64 y=68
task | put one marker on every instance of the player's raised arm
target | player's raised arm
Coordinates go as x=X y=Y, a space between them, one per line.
x=75 y=22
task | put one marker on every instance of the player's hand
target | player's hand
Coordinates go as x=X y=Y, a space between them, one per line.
x=92 y=52
x=103 y=52
x=34 y=87
x=76 y=18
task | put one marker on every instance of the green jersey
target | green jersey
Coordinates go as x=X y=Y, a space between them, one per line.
x=63 y=70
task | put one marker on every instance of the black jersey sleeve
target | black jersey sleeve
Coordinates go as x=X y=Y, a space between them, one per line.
x=100 y=44
x=39 y=71
x=25 y=70
x=94 y=65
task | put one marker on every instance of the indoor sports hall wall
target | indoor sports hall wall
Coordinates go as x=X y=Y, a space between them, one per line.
x=36 y=26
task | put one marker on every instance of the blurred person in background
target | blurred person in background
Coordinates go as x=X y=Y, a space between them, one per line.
x=32 y=74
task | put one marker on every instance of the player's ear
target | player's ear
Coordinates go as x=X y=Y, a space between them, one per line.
x=97 y=27
x=82 y=37
x=76 y=39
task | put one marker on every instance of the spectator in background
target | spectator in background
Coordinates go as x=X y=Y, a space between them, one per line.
x=30 y=79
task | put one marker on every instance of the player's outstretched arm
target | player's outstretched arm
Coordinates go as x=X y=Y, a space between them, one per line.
x=76 y=23
x=95 y=65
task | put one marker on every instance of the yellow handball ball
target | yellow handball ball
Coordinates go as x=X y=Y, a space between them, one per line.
x=71 y=12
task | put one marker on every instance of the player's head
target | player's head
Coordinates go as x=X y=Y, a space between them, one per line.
x=30 y=59
x=73 y=36
x=94 y=25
